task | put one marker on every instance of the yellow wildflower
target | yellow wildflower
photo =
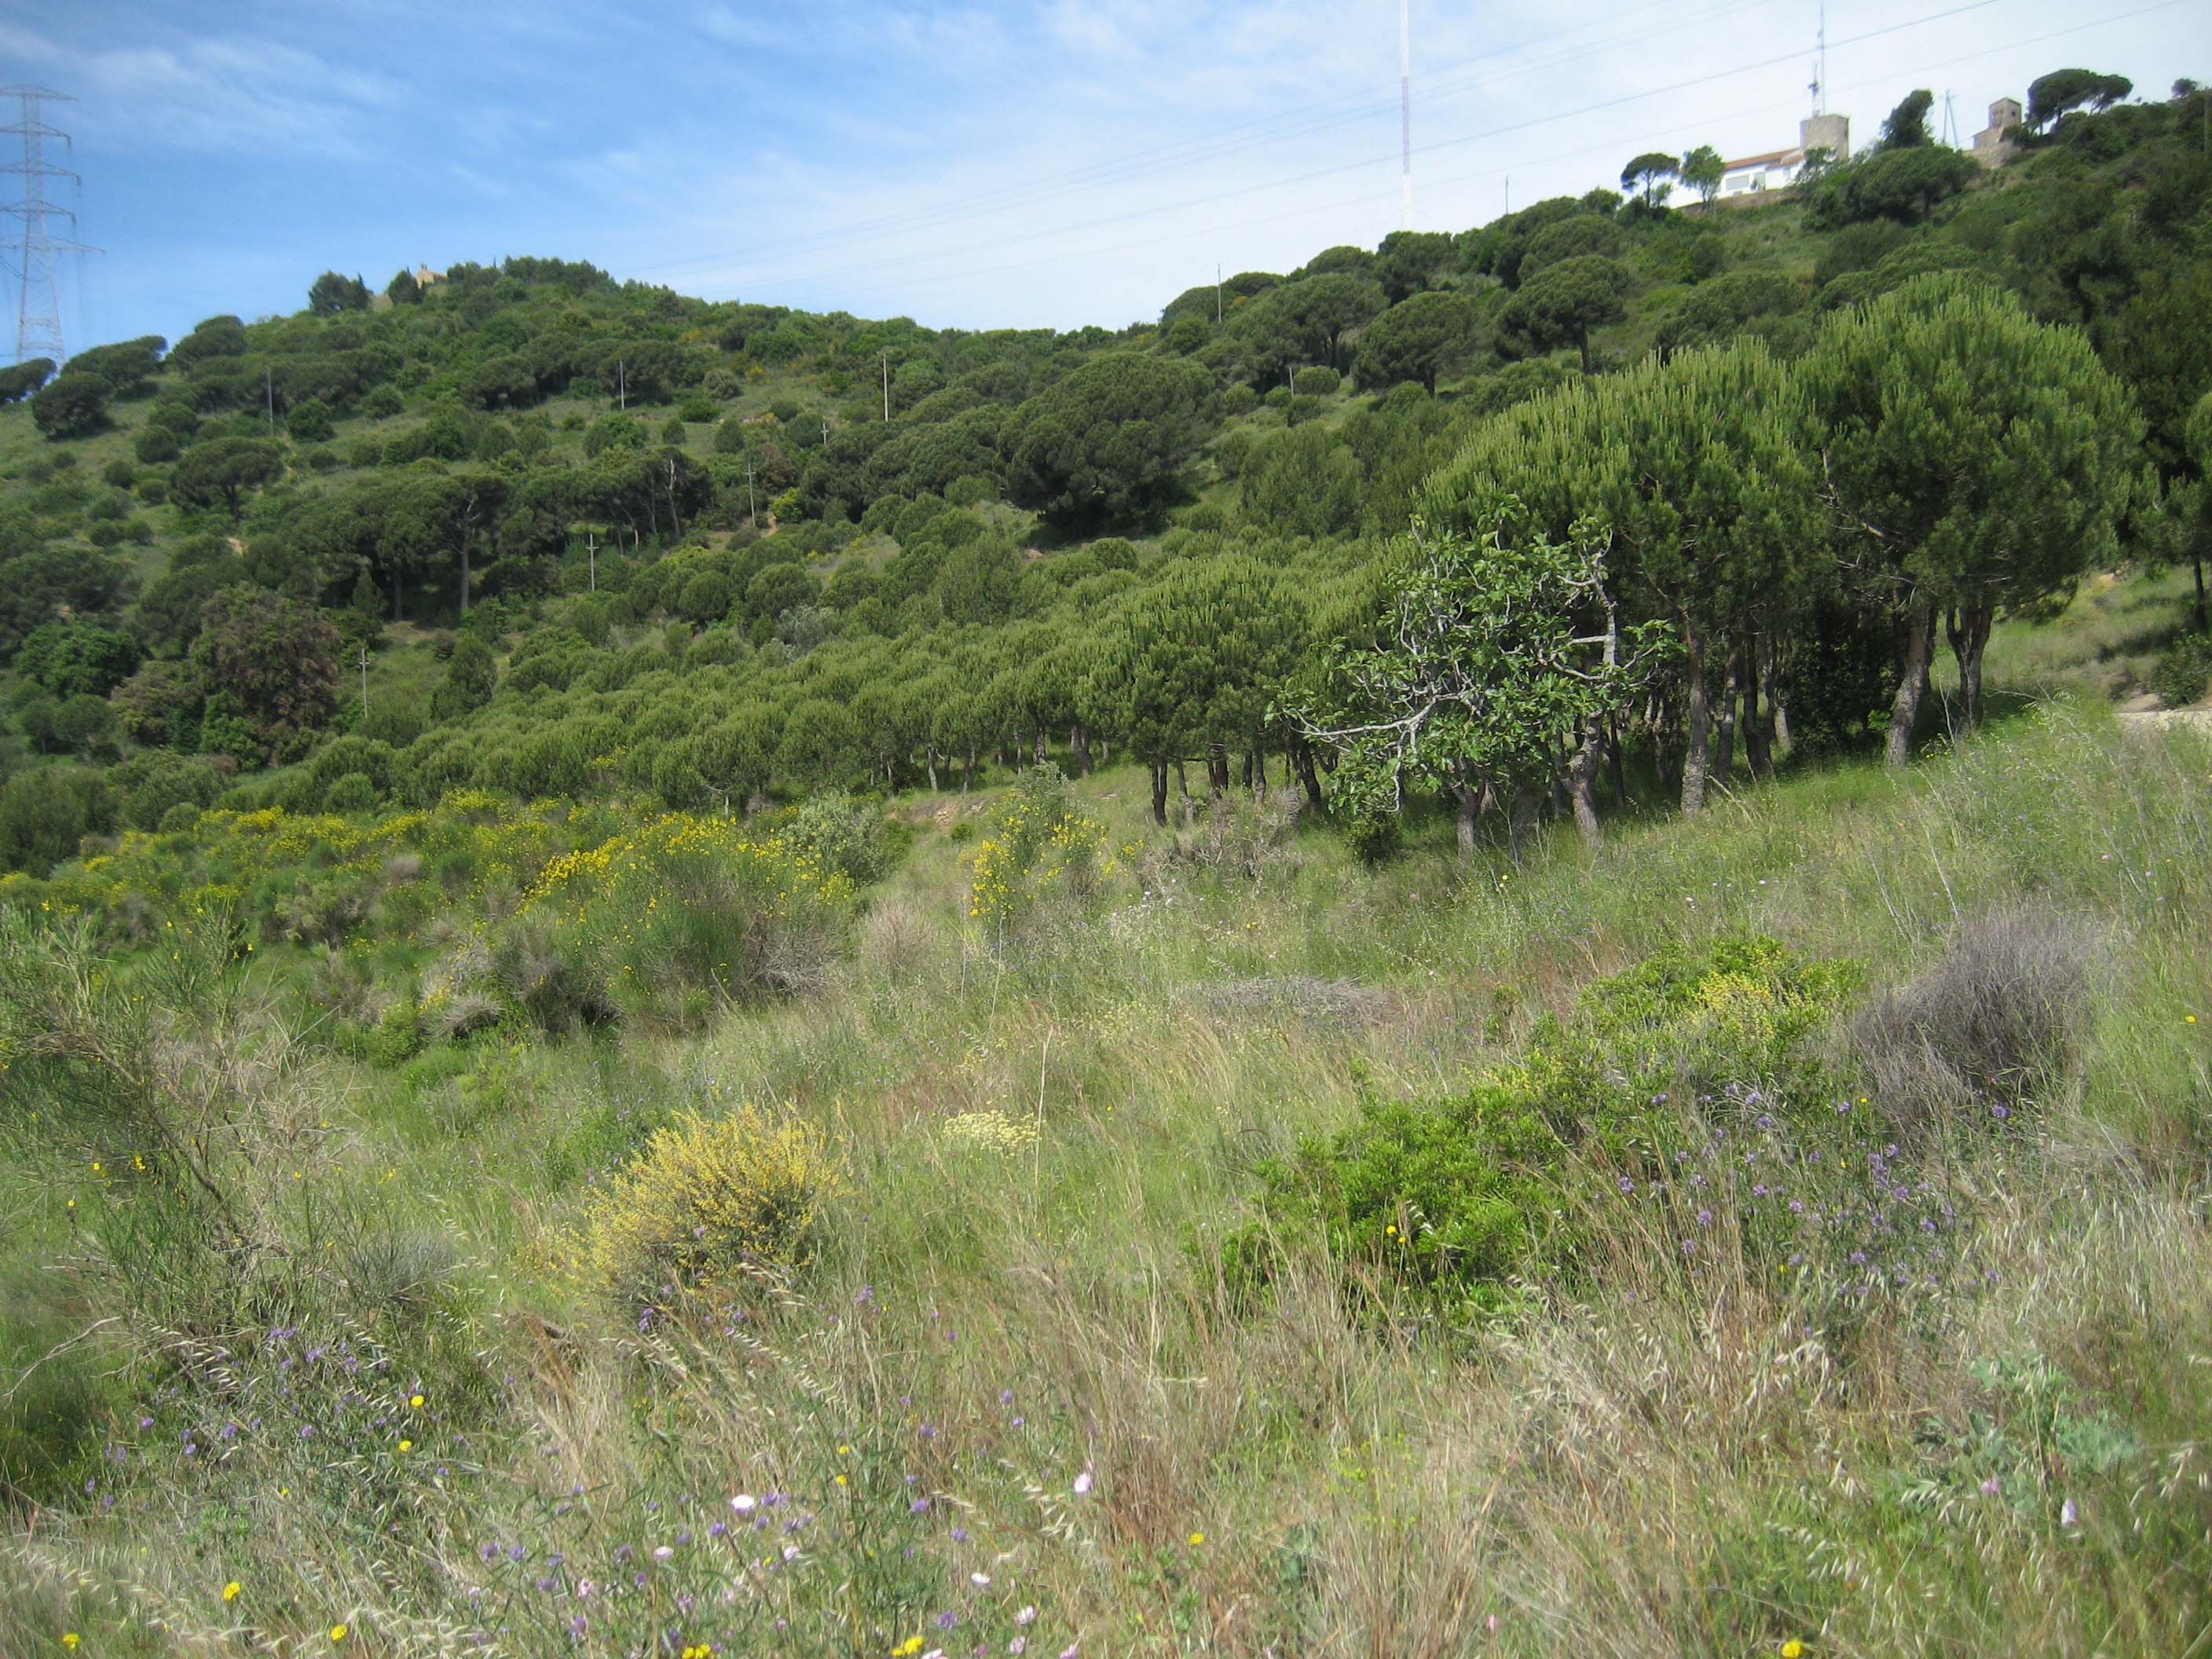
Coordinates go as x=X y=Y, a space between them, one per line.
x=230 y=1590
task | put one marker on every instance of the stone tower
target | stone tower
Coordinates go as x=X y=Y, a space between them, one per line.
x=1993 y=144
x=1830 y=133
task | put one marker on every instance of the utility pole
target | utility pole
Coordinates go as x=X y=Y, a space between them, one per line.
x=37 y=305
x=1950 y=121
x=621 y=384
x=592 y=553
x=1406 y=106
x=752 y=507
x=364 y=685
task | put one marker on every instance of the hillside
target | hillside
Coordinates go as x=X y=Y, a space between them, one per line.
x=1457 y=954
x=676 y=517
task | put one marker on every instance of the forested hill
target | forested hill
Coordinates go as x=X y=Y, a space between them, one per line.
x=526 y=529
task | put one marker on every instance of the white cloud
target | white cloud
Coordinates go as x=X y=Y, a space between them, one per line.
x=214 y=94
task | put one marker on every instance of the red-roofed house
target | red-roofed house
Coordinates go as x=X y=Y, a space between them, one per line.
x=1775 y=169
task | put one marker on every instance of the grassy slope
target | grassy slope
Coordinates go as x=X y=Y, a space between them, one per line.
x=1675 y=1465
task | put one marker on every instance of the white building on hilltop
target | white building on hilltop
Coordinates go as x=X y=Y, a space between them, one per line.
x=1778 y=169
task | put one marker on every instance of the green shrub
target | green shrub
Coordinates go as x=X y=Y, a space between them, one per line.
x=351 y=791
x=155 y=784
x=1451 y=1202
x=390 y=1042
x=853 y=841
x=2182 y=672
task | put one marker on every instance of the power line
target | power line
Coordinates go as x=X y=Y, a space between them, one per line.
x=906 y=260
x=1375 y=197
x=38 y=304
x=1300 y=120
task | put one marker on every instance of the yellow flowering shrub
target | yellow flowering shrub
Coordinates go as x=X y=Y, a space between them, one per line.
x=1039 y=845
x=709 y=1200
x=683 y=913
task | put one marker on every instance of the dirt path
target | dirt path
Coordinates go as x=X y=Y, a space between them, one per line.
x=2139 y=719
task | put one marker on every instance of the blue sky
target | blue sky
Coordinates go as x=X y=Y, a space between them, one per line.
x=970 y=165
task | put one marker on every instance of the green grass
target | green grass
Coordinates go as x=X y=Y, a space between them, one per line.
x=1648 y=1459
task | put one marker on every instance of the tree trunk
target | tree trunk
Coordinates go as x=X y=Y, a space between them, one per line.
x=1700 y=727
x=1916 y=645
x=1582 y=778
x=1258 y=778
x=1757 y=725
x=1245 y=772
x=968 y=770
x=1302 y=760
x=396 y=616
x=1182 y=789
x=1521 y=821
x=1159 y=791
x=1217 y=770
x=1724 y=727
x=465 y=577
x=1044 y=754
x=1777 y=702
x=1079 y=748
x=2203 y=617
x=1968 y=630
x=1469 y=793
x=1616 y=767
x=930 y=751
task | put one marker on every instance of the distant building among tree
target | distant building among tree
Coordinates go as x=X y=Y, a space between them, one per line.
x=1829 y=135
x=1993 y=144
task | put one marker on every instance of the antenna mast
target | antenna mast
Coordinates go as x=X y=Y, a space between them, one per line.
x=38 y=305
x=1820 y=87
x=1406 y=106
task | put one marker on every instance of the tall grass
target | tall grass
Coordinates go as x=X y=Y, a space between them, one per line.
x=1011 y=1379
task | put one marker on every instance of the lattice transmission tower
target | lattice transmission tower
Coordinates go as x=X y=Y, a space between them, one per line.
x=38 y=305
